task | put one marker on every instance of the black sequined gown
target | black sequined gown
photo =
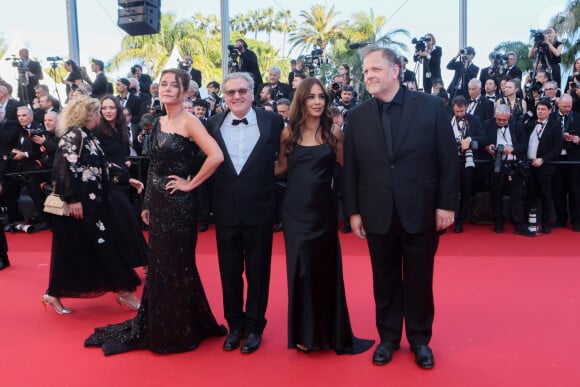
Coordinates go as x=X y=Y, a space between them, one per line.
x=175 y=315
x=317 y=312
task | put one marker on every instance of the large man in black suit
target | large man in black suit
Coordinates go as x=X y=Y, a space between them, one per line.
x=29 y=73
x=566 y=180
x=101 y=85
x=244 y=207
x=464 y=69
x=544 y=145
x=401 y=180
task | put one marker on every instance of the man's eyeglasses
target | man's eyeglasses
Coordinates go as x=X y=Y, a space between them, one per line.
x=231 y=93
x=427 y=39
x=549 y=89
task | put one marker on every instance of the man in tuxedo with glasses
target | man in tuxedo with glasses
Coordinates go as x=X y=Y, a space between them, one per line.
x=244 y=208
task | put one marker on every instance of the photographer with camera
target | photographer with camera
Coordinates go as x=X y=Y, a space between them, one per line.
x=547 y=50
x=468 y=133
x=428 y=54
x=280 y=90
x=187 y=65
x=248 y=61
x=566 y=180
x=544 y=145
x=573 y=86
x=29 y=74
x=518 y=107
x=506 y=144
x=465 y=71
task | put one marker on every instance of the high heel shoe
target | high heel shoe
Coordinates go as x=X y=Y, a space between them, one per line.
x=55 y=303
x=125 y=302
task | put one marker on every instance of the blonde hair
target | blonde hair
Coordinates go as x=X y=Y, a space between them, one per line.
x=77 y=113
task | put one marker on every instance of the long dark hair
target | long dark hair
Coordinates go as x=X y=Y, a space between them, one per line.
x=120 y=124
x=298 y=116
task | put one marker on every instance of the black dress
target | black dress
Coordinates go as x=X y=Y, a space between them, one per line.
x=174 y=315
x=317 y=312
x=126 y=218
x=86 y=259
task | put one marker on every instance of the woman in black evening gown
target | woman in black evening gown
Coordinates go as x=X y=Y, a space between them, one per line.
x=86 y=260
x=174 y=315
x=317 y=313
x=113 y=136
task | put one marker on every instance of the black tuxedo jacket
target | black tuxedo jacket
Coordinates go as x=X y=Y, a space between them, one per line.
x=474 y=129
x=514 y=72
x=11 y=108
x=99 y=85
x=550 y=144
x=282 y=90
x=572 y=126
x=433 y=65
x=463 y=74
x=195 y=76
x=485 y=109
x=517 y=134
x=248 y=198
x=420 y=175
x=134 y=105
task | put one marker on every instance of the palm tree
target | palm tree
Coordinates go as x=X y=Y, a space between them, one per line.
x=567 y=24
x=366 y=27
x=521 y=50
x=285 y=24
x=239 y=23
x=254 y=22
x=317 y=29
x=269 y=21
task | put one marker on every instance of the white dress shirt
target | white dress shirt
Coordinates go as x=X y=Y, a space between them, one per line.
x=240 y=139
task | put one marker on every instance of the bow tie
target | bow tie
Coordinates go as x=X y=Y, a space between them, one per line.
x=473 y=101
x=237 y=122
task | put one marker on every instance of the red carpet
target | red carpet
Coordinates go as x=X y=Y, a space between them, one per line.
x=507 y=314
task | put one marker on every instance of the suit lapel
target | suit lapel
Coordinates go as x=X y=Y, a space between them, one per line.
x=409 y=106
x=264 y=127
x=220 y=140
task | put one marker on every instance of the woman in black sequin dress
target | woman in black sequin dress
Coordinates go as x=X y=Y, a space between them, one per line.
x=175 y=315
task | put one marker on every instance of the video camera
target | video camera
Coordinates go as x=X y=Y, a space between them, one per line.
x=16 y=61
x=313 y=60
x=235 y=51
x=419 y=43
x=540 y=40
x=184 y=64
x=53 y=58
x=533 y=86
x=499 y=62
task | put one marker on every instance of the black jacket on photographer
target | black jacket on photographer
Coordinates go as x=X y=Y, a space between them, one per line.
x=464 y=72
x=249 y=63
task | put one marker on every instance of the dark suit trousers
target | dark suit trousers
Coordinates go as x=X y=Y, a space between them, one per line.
x=561 y=188
x=403 y=282
x=539 y=187
x=466 y=196
x=248 y=247
x=514 y=187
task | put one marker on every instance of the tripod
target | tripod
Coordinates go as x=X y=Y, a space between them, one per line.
x=53 y=74
x=419 y=74
x=540 y=57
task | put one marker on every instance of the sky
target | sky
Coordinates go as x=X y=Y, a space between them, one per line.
x=489 y=22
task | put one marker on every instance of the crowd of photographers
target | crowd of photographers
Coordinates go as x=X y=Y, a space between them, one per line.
x=515 y=137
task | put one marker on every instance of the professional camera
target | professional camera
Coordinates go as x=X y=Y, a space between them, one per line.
x=35 y=132
x=499 y=62
x=235 y=51
x=534 y=86
x=16 y=61
x=53 y=58
x=184 y=64
x=539 y=37
x=498 y=149
x=313 y=60
x=419 y=44
x=26 y=228
x=156 y=110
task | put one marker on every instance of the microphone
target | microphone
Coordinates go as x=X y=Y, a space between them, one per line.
x=354 y=46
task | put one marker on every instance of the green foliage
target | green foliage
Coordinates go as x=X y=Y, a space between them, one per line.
x=521 y=50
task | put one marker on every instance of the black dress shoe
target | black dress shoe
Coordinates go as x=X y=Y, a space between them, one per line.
x=423 y=356
x=546 y=228
x=498 y=228
x=524 y=231
x=576 y=228
x=279 y=227
x=232 y=340
x=203 y=227
x=384 y=353
x=251 y=343
x=458 y=228
x=4 y=262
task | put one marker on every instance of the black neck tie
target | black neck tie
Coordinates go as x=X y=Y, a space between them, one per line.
x=386 y=126
x=237 y=122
